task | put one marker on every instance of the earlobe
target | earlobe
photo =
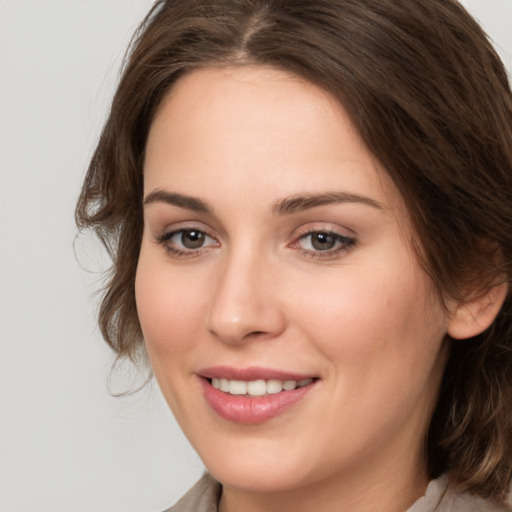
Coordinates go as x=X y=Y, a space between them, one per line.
x=474 y=315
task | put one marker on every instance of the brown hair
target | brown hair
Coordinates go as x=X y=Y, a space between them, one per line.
x=430 y=98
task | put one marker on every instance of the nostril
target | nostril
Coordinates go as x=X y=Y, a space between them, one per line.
x=254 y=333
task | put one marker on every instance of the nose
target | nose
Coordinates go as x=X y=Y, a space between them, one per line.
x=245 y=303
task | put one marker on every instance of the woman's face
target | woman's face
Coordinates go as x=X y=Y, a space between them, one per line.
x=276 y=265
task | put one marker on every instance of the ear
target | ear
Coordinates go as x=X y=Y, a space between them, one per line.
x=477 y=312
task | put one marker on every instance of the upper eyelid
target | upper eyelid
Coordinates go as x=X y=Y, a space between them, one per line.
x=339 y=236
x=187 y=225
x=176 y=250
x=325 y=227
x=169 y=233
x=302 y=231
x=327 y=232
x=346 y=245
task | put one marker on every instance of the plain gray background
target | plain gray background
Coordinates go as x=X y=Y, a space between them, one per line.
x=66 y=445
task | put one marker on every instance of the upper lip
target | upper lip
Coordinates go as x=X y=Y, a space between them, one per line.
x=251 y=373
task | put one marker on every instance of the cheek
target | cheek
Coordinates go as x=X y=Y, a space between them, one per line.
x=169 y=306
x=382 y=335
x=387 y=320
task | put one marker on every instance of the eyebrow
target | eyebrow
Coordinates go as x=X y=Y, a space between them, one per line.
x=282 y=207
x=180 y=200
x=305 y=202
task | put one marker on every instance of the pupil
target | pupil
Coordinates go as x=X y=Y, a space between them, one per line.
x=323 y=241
x=192 y=239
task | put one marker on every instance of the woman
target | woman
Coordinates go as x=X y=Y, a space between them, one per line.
x=308 y=206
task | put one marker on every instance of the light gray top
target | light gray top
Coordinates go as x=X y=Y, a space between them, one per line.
x=438 y=498
x=205 y=495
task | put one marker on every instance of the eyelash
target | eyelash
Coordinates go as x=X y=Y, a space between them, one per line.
x=344 y=243
x=165 y=241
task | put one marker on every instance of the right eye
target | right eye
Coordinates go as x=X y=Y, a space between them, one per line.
x=183 y=242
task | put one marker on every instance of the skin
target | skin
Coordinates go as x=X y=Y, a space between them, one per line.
x=361 y=316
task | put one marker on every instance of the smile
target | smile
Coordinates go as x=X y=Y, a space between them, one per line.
x=258 y=387
x=253 y=395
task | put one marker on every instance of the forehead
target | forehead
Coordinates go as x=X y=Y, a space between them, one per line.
x=258 y=130
x=250 y=104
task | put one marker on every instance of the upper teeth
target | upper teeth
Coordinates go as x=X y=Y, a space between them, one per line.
x=257 y=387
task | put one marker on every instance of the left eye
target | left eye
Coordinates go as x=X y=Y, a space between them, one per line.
x=324 y=241
x=187 y=239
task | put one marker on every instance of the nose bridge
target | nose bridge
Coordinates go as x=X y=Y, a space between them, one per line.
x=244 y=303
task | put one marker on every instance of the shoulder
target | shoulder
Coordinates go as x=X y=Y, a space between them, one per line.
x=439 y=498
x=202 y=497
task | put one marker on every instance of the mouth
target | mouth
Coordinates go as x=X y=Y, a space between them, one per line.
x=253 y=395
x=259 y=387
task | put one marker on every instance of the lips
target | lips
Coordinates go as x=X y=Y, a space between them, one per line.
x=253 y=395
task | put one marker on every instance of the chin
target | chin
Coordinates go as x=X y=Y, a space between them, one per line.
x=259 y=477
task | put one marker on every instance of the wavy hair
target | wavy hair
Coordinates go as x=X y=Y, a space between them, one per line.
x=430 y=98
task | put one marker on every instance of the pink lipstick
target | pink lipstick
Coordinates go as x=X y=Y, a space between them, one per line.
x=253 y=395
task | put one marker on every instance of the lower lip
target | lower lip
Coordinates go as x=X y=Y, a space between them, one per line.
x=249 y=410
